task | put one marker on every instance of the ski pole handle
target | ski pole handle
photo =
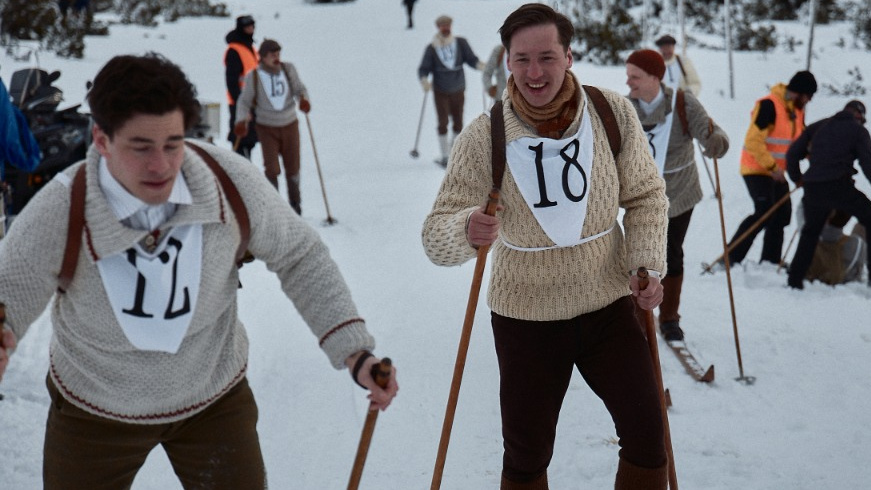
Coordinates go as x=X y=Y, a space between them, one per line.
x=381 y=373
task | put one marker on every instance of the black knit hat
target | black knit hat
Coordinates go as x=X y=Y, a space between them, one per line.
x=666 y=39
x=244 y=21
x=803 y=82
x=268 y=46
x=858 y=107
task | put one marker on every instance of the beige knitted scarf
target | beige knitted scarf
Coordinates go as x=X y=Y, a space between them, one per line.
x=553 y=119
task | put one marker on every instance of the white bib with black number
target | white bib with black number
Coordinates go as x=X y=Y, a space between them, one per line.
x=448 y=54
x=554 y=178
x=277 y=86
x=658 y=137
x=154 y=294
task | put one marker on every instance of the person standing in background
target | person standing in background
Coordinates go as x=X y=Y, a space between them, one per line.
x=239 y=59
x=444 y=58
x=679 y=70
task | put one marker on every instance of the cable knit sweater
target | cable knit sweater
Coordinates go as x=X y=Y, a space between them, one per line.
x=556 y=283
x=95 y=366
x=681 y=173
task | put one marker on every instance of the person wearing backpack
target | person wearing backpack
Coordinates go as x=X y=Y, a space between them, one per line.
x=271 y=93
x=679 y=70
x=563 y=271
x=147 y=345
x=672 y=119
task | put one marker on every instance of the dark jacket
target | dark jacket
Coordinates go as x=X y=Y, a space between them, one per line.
x=233 y=62
x=830 y=145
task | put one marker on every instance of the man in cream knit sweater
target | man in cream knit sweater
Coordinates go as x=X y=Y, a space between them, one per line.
x=147 y=346
x=561 y=273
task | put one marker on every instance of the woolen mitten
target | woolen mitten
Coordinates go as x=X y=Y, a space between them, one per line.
x=716 y=146
x=424 y=82
x=305 y=105
x=491 y=91
x=240 y=129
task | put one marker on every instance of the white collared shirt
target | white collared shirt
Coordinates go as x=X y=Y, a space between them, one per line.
x=651 y=106
x=134 y=212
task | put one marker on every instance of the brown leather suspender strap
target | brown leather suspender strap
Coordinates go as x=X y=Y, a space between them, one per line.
x=74 y=230
x=497 y=136
x=606 y=114
x=234 y=198
x=681 y=104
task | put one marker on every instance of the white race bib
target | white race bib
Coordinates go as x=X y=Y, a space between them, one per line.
x=154 y=294
x=448 y=54
x=277 y=87
x=554 y=177
x=660 y=134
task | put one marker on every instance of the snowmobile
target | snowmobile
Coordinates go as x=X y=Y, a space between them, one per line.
x=63 y=135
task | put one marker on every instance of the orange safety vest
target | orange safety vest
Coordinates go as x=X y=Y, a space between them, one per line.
x=249 y=61
x=787 y=127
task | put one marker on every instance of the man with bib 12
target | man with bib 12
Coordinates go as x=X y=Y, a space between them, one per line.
x=147 y=345
x=562 y=270
x=672 y=118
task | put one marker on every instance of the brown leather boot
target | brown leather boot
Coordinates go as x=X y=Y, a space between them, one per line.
x=669 y=317
x=631 y=477
x=539 y=483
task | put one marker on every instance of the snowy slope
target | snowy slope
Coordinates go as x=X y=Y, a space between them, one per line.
x=804 y=424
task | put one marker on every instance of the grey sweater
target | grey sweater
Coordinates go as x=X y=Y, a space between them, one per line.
x=266 y=114
x=93 y=363
x=447 y=79
x=680 y=173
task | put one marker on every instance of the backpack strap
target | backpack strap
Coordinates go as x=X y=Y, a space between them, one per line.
x=74 y=230
x=680 y=64
x=497 y=136
x=235 y=200
x=77 y=223
x=681 y=104
x=606 y=114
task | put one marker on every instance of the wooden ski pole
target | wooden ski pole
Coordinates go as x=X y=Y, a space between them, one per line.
x=414 y=152
x=381 y=374
x=707 y=170
x=725 y=256
x=308 y=123
x=729 y=247
x=463 y=349
x=786 y=252
x=650 y=330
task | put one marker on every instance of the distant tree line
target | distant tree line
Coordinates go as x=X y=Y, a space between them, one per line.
x=43 y=21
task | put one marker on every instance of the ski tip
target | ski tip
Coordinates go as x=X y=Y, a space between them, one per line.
x=708 y=376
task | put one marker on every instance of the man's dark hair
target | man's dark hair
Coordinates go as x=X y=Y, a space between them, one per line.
x=129 y=85
x=533 y=14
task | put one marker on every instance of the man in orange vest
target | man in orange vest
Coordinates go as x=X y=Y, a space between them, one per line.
x=239 y=59
x=778 y=120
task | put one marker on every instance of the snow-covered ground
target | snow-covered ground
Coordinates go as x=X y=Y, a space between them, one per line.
x=804 y=424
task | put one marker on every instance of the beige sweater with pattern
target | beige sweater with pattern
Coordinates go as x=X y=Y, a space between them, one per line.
x=557 y=283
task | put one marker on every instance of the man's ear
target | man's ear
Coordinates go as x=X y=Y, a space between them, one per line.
x=571 y=58
x=101 y=140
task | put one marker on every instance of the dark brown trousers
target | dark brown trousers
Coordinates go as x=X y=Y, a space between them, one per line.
x=536 y=360
x=284 y=142
x=449 y=105
x=217 y=448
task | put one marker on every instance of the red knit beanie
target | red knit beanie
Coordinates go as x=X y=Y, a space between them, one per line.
x=648 y=60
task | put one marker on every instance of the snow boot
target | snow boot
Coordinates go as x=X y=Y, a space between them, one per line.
x=293 y=194
x=539 y=483
x=631 y=477
x=445 y=148
x=669 y=318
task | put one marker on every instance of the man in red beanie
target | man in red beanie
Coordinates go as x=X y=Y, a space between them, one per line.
x=778 y=120
x=672 y=118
